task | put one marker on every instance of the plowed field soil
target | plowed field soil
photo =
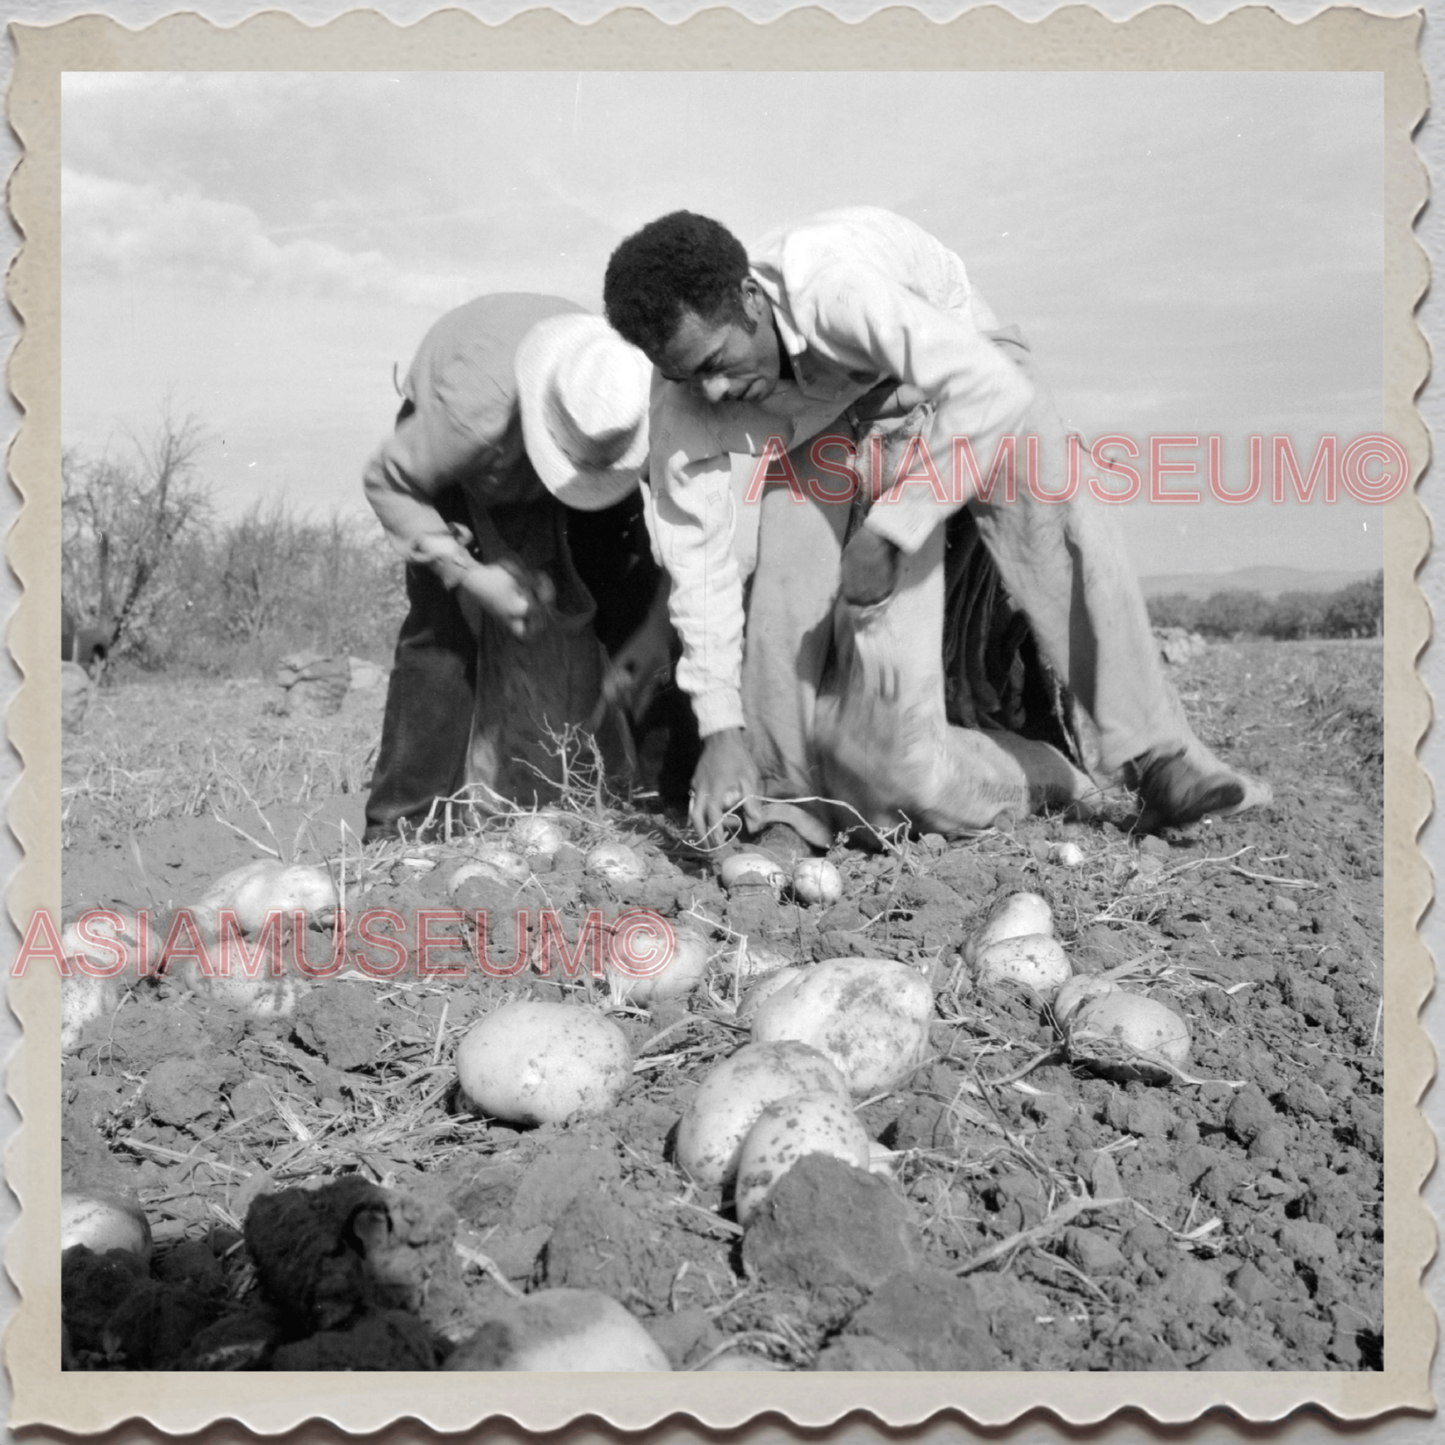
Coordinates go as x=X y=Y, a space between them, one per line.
x=1068 y=1215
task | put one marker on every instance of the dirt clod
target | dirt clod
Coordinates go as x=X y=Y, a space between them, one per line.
x=383 y=1226
x=342 y=1023
x=931 y=1317
x=828 y=1225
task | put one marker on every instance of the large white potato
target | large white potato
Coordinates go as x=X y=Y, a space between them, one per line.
x=103 y=1222
x=494 y=863
x=1035 y=959
x=711 y=1131
x=1078 y=991
x=538 y=835
x=1019 y=915
x=765 y=988
x=816 y=880
x=559 y=1329
x=1141 y=1025
x=752 y=870
x=870 y=1016
x=258 y=890
x=685 y=955
x=534 y=1062
x=815 y=1123
x=617 y=863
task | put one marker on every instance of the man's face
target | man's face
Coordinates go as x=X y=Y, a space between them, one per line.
x=721 y=360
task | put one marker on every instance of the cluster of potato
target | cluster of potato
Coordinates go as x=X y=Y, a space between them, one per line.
x=1017 y=942
x=107 y=946
x=823 y=1036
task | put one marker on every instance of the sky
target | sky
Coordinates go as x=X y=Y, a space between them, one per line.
x=1187 y=253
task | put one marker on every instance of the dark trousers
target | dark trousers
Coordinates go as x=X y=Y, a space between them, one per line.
x=431 y=697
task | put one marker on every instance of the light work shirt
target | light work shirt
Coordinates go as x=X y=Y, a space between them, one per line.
x=461 y=426
x=860 y=296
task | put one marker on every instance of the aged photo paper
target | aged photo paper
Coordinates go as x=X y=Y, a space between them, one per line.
x=235 y=241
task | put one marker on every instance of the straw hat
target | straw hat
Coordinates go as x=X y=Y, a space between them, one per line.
x=584 y=396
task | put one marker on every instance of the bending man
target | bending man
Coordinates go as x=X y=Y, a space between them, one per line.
x=509 y=485
x=826 y=316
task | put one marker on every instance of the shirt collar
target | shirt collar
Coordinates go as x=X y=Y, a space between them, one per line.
x=793 y=339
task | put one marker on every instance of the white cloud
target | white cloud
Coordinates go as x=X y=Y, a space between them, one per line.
x=122 y=229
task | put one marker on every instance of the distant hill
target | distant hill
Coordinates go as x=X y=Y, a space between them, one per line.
x=1267 y=581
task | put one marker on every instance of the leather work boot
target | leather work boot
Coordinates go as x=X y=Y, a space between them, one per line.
x=1175 y=791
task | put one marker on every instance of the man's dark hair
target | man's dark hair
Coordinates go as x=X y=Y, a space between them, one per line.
x=679 y=262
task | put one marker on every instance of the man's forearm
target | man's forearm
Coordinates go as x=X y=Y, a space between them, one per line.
x=413 y=526
x=691 y=523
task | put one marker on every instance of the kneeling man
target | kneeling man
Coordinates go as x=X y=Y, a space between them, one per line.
x=828 y=316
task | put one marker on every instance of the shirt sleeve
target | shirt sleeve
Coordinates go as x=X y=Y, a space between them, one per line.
x=862 y=318
x=691 y=521
x=430 y=449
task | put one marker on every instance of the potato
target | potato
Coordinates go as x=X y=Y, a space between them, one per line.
x=83 y=999
x=812 y=1123
x=1077 y=991
x=764 y=989
x=535 y=1062
x=103 y=1222
x=537 y=835
x=1019 y=915
x=559 y=1329
x=1036 y=959
x=1141 y=1025
x=816 y=880
x=617 y=863
x=258 y=890
x=870 y=1016
x=752 y=961
x=711 y=1131
x=686 y=964
x=493 y=862
x=133 y=933
x=263 y=997
x=752 y=870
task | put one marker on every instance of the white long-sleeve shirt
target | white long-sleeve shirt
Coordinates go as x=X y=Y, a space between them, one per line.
x=860 y=296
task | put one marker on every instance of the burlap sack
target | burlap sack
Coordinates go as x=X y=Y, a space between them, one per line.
x=885 y=742
x=535 y=695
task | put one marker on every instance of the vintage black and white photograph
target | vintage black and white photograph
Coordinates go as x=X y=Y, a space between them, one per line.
x=722 y=721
